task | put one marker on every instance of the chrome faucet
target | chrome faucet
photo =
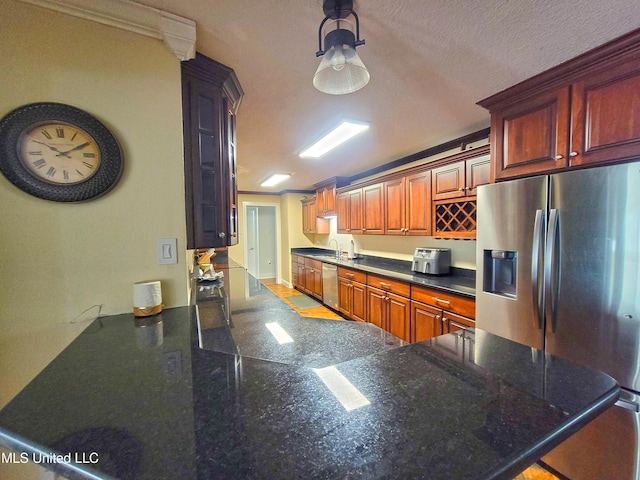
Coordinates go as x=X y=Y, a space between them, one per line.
x=337 y=252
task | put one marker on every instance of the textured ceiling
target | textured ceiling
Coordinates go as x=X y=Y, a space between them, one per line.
x=430 y=62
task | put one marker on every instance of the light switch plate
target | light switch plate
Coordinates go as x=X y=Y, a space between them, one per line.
x=167 y=251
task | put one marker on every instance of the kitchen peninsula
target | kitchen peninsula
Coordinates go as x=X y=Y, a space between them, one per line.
x=207 y=392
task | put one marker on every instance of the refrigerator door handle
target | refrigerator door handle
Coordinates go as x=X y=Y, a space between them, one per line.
x=536 y=278
x=551 y=268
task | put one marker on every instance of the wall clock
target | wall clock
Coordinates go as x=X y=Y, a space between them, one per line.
x=58 y=152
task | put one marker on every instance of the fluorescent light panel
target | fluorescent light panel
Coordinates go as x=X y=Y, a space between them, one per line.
x=344 y=391
x=335 y=137
x=279 y=333
x=275 y=179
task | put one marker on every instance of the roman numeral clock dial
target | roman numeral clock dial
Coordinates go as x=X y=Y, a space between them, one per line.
x=58 y=152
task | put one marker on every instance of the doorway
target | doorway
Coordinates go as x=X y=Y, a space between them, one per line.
x=261 y=240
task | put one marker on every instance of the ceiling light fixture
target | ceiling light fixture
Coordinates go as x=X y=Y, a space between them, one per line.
x=335 y=137
x=341 y=71
x=275 y=179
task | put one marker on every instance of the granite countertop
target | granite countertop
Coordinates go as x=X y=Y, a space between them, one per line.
x=208 y=392
x=460 y=281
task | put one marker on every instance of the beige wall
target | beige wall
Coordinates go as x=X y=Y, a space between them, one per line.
x=63 y=264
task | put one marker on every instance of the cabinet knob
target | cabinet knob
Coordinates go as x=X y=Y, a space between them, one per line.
x=573 y=154
x=462 y=189
x=222 y=234
x=559 y=157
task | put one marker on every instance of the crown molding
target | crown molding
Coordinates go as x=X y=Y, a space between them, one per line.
x=178 y=33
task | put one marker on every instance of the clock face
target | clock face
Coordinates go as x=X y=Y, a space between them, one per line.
x=59 y=153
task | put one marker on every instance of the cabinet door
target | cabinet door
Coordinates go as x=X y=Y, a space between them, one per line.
x=418 y=204
x=531 y=137
x=398 y=316
x=478 y=172
x=359 y=299
x=426 y=321
x=321 y=200
x=376 y=307
x=316 y=289
x=605 y=108
x=343 y=210
x=302 y=277
x=452 y=322
x=394 y=207
x=326 y=200
x=205 y=189
x=356 y=214
x=345 y=296
x=373 y=208
x=448 y=181
x=330 y=199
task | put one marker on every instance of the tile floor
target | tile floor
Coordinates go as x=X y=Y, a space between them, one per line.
x=535 y=472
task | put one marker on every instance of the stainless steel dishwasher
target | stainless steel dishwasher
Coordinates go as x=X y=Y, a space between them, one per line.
x=330 y=285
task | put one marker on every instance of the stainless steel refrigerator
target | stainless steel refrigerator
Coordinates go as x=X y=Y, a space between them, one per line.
x=558 y=262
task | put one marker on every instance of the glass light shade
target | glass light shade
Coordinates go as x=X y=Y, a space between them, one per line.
x=341 y=71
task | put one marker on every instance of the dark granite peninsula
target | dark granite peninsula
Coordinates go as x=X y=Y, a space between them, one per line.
x=209 y=392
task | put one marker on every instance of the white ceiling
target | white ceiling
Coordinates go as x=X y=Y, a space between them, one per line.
x=430 y=62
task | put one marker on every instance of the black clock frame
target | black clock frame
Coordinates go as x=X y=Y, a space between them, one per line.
x=16 y=122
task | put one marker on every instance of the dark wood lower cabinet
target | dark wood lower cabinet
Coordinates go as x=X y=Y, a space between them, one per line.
x=352 y=301
x=389 y=312
x=428 y=321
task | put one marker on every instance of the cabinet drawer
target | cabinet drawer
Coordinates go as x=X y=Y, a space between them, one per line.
x=446 y=301
x=353 y=275
x=453 y=322
x=297 y=259
x=314 y=264
x=389 y=285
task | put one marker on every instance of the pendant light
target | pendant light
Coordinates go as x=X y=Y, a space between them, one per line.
x=341 y=71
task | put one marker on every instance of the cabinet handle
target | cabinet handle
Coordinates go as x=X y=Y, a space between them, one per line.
x=462 y=189
x=364 y=229
x=573 y=154
x=348 y=229
x=385 y=285
x=444 y=319
x=459 y=325
x=559 y=157
x=439 y=300
x=222 y=235
x=350 y=275
x=438 y=318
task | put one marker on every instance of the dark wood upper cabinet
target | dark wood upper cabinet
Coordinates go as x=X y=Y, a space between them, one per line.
x=605 y=115
x=373 y=209
x=211 y=95
x=581 y=113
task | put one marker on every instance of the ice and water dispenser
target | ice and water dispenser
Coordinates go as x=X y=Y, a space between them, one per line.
x=500 y=272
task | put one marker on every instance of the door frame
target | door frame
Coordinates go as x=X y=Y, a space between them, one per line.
x=246 y=204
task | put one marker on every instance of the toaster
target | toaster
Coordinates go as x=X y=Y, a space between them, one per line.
x=435 y=261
